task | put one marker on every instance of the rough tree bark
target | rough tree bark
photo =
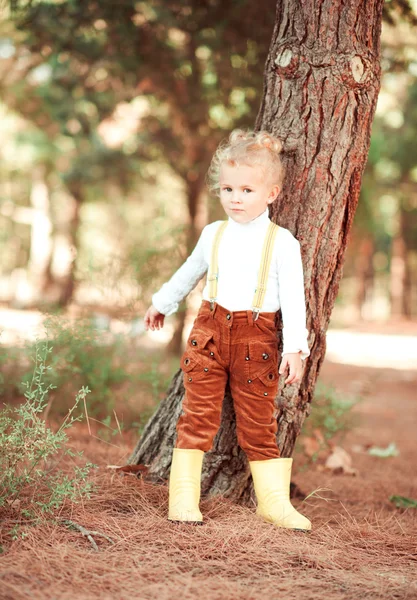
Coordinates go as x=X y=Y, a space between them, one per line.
x=322 y=79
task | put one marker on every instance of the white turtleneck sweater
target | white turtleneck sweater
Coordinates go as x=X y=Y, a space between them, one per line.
x=239 y=259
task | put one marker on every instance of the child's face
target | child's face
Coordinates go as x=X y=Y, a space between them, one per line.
x=245 y=191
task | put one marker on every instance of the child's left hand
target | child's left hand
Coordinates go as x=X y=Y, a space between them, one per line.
x=292 y=361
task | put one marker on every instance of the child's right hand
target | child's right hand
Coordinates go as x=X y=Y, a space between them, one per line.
x=153 y=319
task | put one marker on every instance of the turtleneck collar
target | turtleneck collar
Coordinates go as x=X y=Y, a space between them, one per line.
x=258 y=222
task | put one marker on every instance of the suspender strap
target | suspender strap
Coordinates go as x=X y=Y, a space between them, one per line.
x=214 y=267
x=264 y=268
x=260 y=289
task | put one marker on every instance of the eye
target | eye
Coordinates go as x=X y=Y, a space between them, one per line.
x=227 y=189
x=247 y=190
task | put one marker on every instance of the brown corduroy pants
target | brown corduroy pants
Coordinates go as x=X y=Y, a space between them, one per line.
x=225 y=344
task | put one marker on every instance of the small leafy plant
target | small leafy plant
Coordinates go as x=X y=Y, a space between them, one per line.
x=30 y=451
x=331 y=415
x=331 y=412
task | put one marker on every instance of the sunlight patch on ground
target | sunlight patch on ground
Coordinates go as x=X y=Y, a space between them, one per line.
x=20 y=326
x=372 y=349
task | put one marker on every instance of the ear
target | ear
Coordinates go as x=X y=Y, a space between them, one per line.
x=273 y=193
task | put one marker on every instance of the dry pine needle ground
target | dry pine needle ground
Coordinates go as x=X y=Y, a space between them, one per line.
x=360 y=545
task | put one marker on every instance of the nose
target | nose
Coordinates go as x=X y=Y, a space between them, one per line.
x=236 y=198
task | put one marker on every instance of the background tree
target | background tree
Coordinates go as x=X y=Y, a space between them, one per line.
x=195 y=62
x=382 y=252
x=65 y=107
x=402 y=153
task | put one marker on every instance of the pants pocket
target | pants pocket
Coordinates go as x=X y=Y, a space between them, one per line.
x=196 y=361
x=264 y=382
x=262 y=355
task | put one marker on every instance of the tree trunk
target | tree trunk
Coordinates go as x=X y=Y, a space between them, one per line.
x=364 y=273
x=41 y=233
x=67 y=245
x=399 y=272
x=322 y=79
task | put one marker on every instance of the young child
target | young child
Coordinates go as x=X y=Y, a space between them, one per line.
x=254 y=269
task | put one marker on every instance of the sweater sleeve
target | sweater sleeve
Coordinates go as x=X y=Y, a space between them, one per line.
x=166 y=300
x=292 y=299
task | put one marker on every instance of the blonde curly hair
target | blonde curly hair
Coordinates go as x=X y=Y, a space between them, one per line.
x=247 y=148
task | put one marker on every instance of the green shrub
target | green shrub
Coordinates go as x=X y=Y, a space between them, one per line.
x=30 y=451
x=331 y=411
x=82 y=357
x=331 y=415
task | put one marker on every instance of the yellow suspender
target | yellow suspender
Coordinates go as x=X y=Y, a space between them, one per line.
x=214 y=268
x=263 y=270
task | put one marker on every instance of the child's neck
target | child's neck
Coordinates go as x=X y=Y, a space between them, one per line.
x=260 y=220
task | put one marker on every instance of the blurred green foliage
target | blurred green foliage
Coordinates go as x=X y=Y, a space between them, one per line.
x=82 y=357
x=125 y=383
x=332 y=412
x=197 y=64
x=115 y=93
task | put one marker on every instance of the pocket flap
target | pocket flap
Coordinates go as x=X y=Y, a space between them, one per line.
x=199 y=338
x=263 y=351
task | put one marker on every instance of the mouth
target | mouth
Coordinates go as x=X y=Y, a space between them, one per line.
x=237 y=209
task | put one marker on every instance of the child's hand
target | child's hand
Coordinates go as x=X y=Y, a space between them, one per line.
x=292 y=361
x=153 y=319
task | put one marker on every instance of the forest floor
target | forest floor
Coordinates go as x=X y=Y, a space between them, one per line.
x=361 y=545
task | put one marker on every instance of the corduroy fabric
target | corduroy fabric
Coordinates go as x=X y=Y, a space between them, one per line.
x=225 y=344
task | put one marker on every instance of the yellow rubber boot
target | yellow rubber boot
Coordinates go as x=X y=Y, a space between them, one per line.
x=185 y=485
x=271 y=480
